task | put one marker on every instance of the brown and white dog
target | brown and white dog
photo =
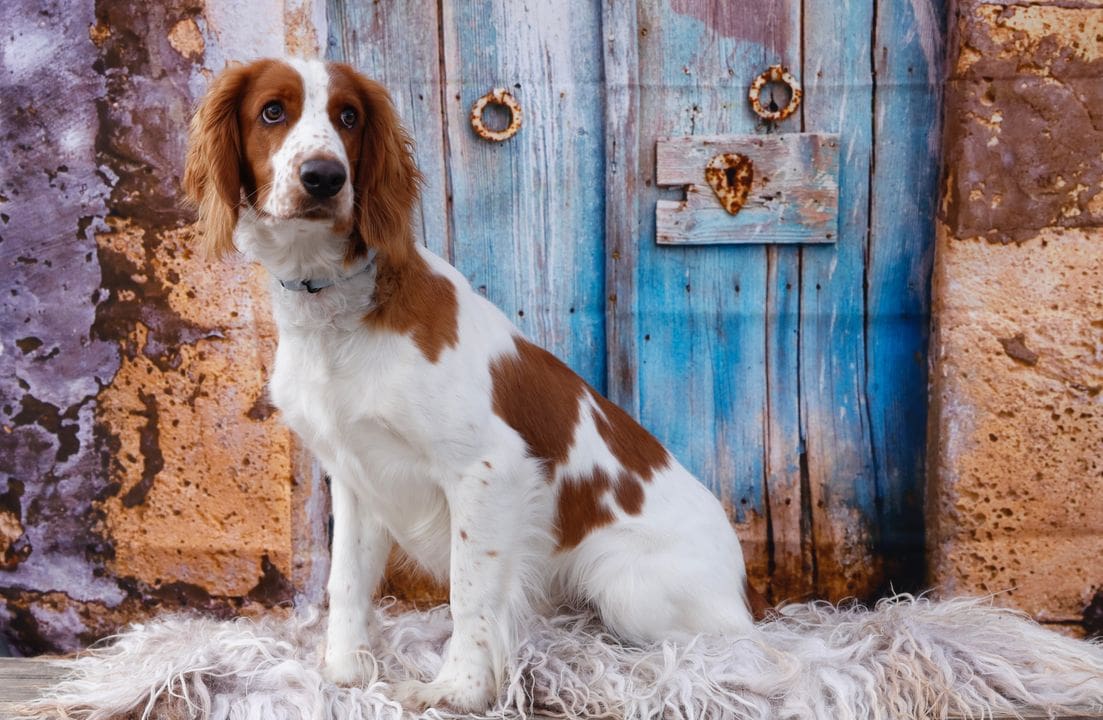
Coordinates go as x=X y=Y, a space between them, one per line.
x=481 y=455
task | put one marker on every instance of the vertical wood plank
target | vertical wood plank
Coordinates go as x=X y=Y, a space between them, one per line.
x=528 y=213
x=701 y=324
x=790 y=552
x=908 y=64
x=376 y=39
x=790 y=561
x=622 y=177
x=840 y=474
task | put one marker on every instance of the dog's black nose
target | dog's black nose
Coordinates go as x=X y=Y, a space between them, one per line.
x=322 y=178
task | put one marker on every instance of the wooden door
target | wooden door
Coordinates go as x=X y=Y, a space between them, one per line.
x=522 y=219
x=790 y=378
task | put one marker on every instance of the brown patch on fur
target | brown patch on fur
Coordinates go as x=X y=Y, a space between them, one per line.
x=492 y=553
x=212 y=169
x=270 y=81
x=463 y=534
x=629 y=494
x=386 y=181
x=635 y=448
x=537 y=395
x=230 y=147
x=579 y=507
x=760 y=609
x=411 y=299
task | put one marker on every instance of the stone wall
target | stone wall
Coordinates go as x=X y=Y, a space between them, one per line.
x=141 y=467
x=1016 y=471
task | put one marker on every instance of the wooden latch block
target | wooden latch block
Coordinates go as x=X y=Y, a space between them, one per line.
x=788 y=185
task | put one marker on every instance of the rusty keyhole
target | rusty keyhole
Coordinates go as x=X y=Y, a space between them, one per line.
x=730 y=176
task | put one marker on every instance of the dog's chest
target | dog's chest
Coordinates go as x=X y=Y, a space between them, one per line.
x=346 y=396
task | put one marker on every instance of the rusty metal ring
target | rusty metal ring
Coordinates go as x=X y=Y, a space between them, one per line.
x=497 y=96
x=775 y=73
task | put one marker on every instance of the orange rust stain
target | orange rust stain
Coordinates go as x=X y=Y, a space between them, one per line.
x=186 y=39
x=753 y=540
x=11 y=532
x=204 y=485
x=98 y=33
x=300 y=36
x=730 y=176
x=760 y=609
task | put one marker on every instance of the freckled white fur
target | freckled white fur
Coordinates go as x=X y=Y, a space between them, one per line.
x=417 y=457
x=312 y=136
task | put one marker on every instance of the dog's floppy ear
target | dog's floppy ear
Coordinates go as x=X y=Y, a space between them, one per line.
x=212 y=171
x=387 y=180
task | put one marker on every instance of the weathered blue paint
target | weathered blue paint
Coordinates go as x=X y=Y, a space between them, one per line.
x=791 y=379
x=702 y=337
x=792 y=196
x=908 y=59
x=838 y=94
x=528 y=214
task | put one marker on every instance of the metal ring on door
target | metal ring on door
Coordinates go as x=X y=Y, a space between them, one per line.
x=775 y=73
x=497 y=96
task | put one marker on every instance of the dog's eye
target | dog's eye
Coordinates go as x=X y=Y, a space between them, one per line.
x=348 y=118
x=272 y=113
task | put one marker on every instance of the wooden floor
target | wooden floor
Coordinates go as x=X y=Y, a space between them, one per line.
x=22 y=679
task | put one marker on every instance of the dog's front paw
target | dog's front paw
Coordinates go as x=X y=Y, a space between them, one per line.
x=345 y=668
x=472 y=694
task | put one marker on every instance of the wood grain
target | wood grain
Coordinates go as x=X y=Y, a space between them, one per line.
x=623 y=176
x=904 y=194
x=528 y=214
x=793 y=196
x=838 y=87
x=22 y=679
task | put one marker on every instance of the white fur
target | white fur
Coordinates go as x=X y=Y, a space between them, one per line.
x=417 y=457
x=904 y=659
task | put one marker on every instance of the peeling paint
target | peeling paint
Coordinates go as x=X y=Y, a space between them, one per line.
x=186 y=39
x=140 y=467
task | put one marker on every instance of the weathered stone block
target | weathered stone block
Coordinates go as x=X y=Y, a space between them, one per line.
x=1017 y=444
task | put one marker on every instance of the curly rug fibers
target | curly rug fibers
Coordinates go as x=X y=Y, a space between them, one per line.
x=905 y=658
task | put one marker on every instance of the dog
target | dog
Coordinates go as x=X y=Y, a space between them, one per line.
x=443 y=430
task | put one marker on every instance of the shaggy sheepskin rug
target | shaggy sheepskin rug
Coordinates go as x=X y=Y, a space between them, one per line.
x=905 y=658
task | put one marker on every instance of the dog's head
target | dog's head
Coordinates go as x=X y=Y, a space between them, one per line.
x=302 y=140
